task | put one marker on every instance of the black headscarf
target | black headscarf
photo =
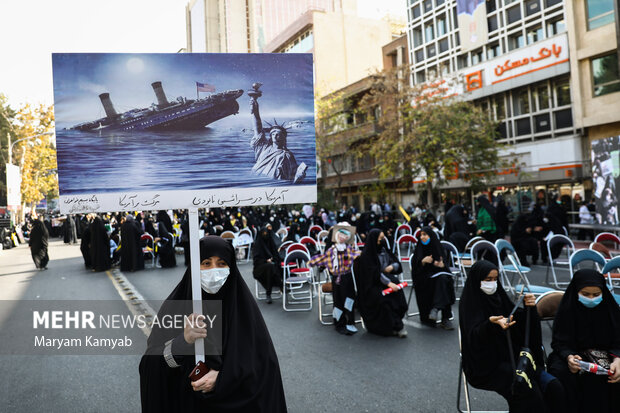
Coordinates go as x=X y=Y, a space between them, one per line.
x=484 y=344
x=39 y=237
x=132 y=258
x=264 y=247
x=486 y=204
x=577 y=328
x=249 y=373
x=455 y=221
x=163 y=217
x=294 y=230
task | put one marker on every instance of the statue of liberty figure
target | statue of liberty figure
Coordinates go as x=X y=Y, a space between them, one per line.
x=273 y=158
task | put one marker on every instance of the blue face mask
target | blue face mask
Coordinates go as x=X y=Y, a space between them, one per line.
x=428 y=241
x=590 y=302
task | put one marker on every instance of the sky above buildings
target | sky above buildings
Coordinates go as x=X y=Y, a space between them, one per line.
x=31 y=30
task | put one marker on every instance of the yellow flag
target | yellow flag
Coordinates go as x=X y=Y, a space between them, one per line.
x=402 y=211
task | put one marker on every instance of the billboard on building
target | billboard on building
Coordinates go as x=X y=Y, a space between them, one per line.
x=472 y=20
x=240 y=132
x=606 y=179
x=13 y=185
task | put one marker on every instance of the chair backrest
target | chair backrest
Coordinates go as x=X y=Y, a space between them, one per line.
x=405 y=228
x=548 y=303
x=611 y=265
x=406 y=238
x=285 y=245
x=218 y=228
x=609 y=237
x=471 y=243
x=452 y=252
x=228 y=235
x=282 y=233
x=296 y=256
x=580 y=256
x=246 y=231
x=502 y=244
x=322 y=235
x=560 y=239
x=297 y=247
x=308 y=240
x=486 y=250
x=597 y=246
x=146 y=236
x=417 y=233
x=314 y=229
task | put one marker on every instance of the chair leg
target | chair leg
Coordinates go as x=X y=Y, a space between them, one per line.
x=408 y=303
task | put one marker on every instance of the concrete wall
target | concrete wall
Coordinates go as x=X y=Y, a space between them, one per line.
x=585 y=44
x=347 y=48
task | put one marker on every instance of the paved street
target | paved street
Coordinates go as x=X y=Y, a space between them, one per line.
x=322 y=370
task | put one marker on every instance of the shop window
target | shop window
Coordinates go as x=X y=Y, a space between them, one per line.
x=542 y=123
x=605 y=74
x=555 y=26
x=563 y=119
x=513 y=15
x=562 y=92
x=600 y=13
x=532 y=7
x=534 y=34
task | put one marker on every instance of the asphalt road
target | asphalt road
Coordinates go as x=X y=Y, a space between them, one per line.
x=322 y=371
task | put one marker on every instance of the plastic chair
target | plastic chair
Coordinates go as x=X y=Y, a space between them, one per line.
x=228 y=235
x=547 y=307
x=410 y=242
x=515 y=267
x=526 y=286
x=613 y=277
x=454 y=261
x=308 y=241
x=401 y=230
x=580 y=256
x=149 y=248
x=465 y=256
x=282 y=233
x=321 y=237
x=558 y=263
x=295 y=279
x=465 y=385
x=485 y=250
x=313 y=230
x=597 y=246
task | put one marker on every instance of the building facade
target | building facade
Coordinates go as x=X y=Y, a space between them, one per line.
x=531 y=67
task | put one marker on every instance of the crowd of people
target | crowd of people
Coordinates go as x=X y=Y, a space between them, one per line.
x=362 y=267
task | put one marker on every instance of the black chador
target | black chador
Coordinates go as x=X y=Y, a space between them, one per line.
x=165 y=244
x=132 y=258
x=38 y=244
x=576 y=330
x=249 y=378
x=99 y=246
x=382 y=315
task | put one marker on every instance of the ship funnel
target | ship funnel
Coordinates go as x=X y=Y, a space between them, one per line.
x=161 y=96
x=108 y=106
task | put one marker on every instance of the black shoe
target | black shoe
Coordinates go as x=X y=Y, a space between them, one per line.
x=447 y=325
x=269 y=300
x=342 y=330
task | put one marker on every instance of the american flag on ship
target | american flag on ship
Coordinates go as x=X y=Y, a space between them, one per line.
x=204 y=87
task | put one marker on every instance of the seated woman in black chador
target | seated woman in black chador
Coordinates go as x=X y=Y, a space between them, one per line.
x=483 y=312
x=587 y=327
x=267 y=269
x=244 y=378
x=165 y=241
x=433 y=294
x=375 y=270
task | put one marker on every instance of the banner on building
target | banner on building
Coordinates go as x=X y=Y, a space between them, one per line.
x=13 y=185
x=606 y=179
x=472 y=20
x=133 y=131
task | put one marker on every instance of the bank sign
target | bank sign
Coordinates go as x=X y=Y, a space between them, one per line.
x=545 y=59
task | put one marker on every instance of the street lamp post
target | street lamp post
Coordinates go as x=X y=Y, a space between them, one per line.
x=23 y=139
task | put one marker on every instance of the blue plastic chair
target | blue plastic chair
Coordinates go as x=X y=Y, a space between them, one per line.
x=611 y=265
x=556 y=264
x=580 y=256
x=501 y=245
x=525 y=286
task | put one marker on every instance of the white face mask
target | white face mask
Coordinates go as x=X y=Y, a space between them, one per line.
x=488 y=287
x=341 y=247
x=212 y=280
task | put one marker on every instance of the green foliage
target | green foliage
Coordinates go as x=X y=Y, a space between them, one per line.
x=422 y=133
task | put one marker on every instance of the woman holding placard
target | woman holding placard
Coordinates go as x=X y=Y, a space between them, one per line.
x=243 y=377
